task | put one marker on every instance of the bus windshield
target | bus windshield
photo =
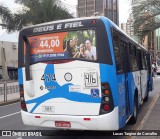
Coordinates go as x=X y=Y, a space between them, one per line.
x=79 y=44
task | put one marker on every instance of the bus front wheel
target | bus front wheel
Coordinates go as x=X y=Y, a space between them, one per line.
x=135 y=112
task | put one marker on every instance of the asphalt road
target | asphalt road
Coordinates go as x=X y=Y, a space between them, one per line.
x=10 y=119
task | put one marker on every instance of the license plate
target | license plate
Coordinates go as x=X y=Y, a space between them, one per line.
x=62 y=124
x=48 y=109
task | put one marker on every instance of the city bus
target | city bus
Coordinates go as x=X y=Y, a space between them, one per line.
x=81 y=74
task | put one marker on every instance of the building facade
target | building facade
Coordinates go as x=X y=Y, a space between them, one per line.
x=158 y=42
x=128 y=27
x=8 y=60
x=108 y=8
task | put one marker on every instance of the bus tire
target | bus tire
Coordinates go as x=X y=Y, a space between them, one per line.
x=135 y=111
x=146 y=98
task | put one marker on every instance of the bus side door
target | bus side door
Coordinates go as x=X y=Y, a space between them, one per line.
x=144 y=75
x=126 y=72
x=121 y=58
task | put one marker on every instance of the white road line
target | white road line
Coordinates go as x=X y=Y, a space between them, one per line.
x=9 y=115
x=9 y=104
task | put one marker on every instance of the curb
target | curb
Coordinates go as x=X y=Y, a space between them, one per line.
x=9 y=102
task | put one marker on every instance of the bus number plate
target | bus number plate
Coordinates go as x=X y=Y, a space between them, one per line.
x=62 y=124
x=91 y=79
x=48 y=109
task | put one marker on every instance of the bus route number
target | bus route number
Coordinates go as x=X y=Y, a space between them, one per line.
x=91 y=79
x=48 y=77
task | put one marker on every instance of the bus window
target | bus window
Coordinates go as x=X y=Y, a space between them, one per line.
x=145 y=57
x=124 y=55
x=144 y=66
x=117 y=52
x=139 y=59
x=80 y=44
x=133 y=60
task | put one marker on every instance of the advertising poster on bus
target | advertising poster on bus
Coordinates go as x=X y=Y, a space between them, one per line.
x=64 y=45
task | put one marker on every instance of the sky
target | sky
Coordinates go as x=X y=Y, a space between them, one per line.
x=123 y=7
x=70 y=4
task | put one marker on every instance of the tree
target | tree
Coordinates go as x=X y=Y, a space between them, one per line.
x=39 y=11
x=6 y=16
x=146 y=17
x=34 y=12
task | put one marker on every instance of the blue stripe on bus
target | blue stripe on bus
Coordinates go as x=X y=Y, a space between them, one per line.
x=20 y=76
x=61 y=92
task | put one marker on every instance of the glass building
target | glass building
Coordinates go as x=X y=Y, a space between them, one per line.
x=108 y=8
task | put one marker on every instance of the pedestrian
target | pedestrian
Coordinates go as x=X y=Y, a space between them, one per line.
x=154 y=70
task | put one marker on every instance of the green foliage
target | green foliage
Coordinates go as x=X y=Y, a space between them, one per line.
x=44 y=11
x=6 y=16
x=37 y=11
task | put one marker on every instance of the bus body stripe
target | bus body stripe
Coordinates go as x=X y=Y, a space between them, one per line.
x=20 y=76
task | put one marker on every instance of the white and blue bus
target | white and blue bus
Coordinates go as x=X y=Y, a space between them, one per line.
x=81 y=74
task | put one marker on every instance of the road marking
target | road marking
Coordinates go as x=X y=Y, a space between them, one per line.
x=10 y=115
x=9 y=104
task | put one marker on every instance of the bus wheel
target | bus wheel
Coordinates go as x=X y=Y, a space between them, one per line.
x=146 y=98
x=135 y=112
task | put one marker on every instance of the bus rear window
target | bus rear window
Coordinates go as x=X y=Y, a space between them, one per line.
x=79 y=44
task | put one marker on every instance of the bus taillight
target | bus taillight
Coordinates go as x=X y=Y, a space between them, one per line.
x=23 y=103
x=107 y=104
x=106 y=92
x=106 y=107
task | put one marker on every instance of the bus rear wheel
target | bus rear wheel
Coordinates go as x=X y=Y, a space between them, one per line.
x=135 y=112
x=146 y=98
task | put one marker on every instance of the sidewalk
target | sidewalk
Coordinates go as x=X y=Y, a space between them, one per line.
x=151 y=120
x=10 y=97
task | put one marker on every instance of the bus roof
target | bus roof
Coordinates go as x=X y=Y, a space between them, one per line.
x=84 y=18
x=64 y=20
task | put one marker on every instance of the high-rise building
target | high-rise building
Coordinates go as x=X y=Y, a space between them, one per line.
x=128 y=28
x=108 y=8
x=158 y=41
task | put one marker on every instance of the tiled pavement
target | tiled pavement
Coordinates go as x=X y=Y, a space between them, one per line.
x=152 y=122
